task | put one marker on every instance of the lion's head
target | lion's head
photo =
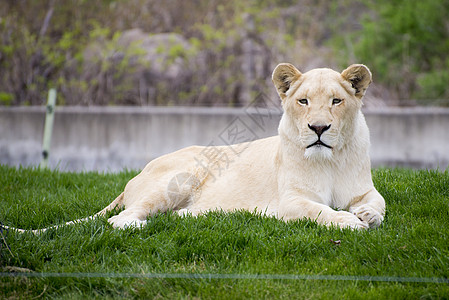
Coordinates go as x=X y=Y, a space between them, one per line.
x=322 y=107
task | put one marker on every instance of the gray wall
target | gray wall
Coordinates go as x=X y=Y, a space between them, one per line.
x=113 y=138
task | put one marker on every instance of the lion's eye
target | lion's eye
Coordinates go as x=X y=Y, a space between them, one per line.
x=303 y=101
x=336 y=101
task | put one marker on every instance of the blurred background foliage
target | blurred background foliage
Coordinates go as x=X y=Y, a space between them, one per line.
x=217 y=52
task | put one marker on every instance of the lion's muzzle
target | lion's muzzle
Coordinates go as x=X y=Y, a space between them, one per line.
x=319 y=130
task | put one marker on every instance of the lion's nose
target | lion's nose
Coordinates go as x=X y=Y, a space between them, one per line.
x=319 y=129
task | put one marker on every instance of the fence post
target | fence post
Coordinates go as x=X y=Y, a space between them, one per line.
x=48 y=129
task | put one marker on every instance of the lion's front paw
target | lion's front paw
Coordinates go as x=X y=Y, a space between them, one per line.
x=345 y=219
x=368 y=214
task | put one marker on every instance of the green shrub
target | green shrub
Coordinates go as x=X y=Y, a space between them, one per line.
x=405 y=42
x=6 y=99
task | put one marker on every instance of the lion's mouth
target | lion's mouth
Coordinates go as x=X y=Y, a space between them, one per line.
x=319 y=143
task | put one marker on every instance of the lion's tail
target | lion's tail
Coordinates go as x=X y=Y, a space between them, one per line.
x=117 y=203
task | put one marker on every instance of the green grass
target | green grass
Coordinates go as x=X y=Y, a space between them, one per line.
x=412 y=242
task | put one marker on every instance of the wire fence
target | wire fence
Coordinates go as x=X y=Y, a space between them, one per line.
x=211 y=276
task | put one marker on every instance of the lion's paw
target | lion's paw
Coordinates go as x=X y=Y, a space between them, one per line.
x=345 y=219
x=184 y=212
x=368 y=214
x=124 y=222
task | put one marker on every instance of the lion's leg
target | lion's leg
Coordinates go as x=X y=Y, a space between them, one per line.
x=369 y=208
x=141 y=203
x=146 y=196
x=302 y=208
x=143 y=197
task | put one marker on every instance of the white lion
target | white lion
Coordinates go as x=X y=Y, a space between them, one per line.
x=317 y=168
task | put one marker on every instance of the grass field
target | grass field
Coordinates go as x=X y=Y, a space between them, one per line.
x=81 y=261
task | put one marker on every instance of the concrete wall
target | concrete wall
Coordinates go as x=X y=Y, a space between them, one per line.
x=113 y=138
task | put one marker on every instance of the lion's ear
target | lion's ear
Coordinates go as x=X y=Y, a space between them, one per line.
x=360 y=78
x=283 y=76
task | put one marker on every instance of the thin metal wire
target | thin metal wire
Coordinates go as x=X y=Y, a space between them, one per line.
x=210 y=276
